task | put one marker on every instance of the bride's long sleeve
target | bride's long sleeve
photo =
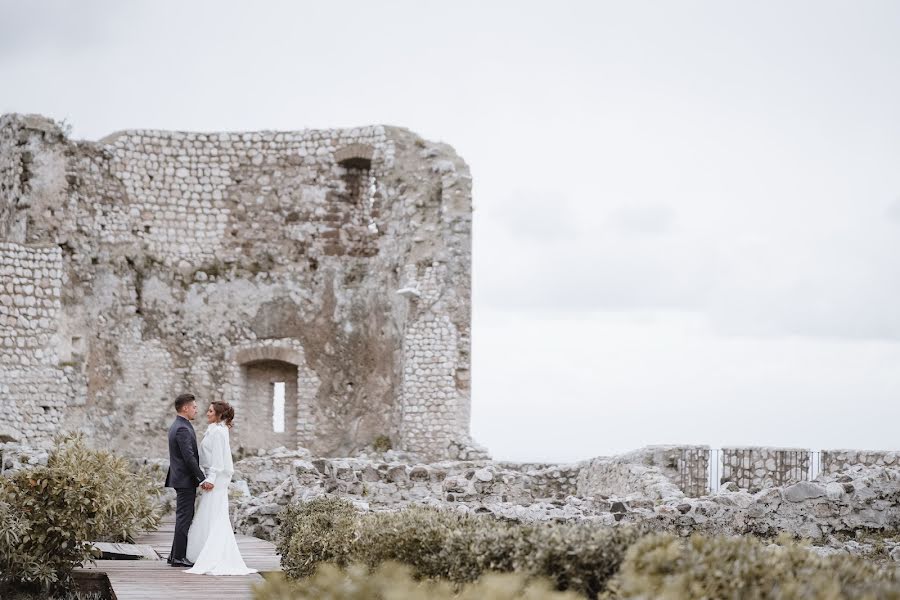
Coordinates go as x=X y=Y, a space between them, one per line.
x=220 y=462
x=227 y=461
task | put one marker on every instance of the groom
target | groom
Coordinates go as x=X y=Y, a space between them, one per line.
x=184 y=475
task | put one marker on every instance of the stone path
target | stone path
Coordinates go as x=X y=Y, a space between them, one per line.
x=156 y=580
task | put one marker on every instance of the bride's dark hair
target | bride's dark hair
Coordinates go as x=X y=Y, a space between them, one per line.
x=224 y=412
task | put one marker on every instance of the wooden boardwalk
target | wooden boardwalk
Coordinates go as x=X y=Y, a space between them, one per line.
x=156 y=580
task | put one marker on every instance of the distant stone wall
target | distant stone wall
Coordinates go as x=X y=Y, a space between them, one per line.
x=607 y=490
x=548 y=481
x=862 y=498
x=603 y=477
x=759 y=467
x=692 y=468
x=654 y=472
x=388 y=482
x=835 y=461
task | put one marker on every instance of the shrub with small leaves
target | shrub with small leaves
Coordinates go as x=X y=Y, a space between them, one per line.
x=417 y=536
x=382 y=443
x=392 y=581
x=321 y=530
x=49 y=514
x=482 y=544
x=663 y=566
x=577 y=556
x=451 y=546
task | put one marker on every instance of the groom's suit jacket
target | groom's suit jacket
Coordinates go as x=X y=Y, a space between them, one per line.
x=184 y=460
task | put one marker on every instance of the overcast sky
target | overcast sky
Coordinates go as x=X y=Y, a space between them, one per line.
x=687 y=224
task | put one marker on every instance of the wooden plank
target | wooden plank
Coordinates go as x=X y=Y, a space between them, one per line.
x=156 y=580
x=126 y=551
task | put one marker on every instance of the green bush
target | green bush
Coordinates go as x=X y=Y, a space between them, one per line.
x=419 y=537
x=49 y=514
x=392 y=581
x=446 y=545
x=322 y=530
x=382 y=443
x=482 y=545
x=577 y=556
x=666 y=567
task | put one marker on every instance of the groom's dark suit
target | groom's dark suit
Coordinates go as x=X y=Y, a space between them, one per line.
x=184 y=475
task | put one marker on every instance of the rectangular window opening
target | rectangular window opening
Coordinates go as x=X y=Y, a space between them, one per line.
x=278 y=407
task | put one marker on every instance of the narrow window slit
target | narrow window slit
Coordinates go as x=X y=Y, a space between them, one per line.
x=278 y=407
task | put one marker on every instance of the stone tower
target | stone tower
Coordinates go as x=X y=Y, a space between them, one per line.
x=319 y=280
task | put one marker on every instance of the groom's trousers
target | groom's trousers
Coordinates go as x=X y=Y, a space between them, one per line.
x=184 y=514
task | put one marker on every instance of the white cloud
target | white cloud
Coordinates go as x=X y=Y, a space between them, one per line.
x=893 y=211
x=644 y=218
x=703 y=196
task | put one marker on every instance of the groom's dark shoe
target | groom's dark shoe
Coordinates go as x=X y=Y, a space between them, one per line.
x=181 y=562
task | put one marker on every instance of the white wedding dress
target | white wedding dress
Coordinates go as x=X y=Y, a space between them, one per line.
x=211 y=545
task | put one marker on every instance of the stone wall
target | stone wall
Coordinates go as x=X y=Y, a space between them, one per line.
x=862 y=498
x=389 y=482
x=279 y=478
x=653 y=472
x=36 y=388
x=610 y=490
x=214 y=262
x=836 y=461
x=185 y=189
x=758 y=467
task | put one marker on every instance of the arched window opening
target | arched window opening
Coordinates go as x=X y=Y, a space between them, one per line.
x=270 y=404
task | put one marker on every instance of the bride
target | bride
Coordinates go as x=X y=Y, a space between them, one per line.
x=211 y=545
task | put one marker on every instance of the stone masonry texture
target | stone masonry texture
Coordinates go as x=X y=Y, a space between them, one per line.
x=150 y=263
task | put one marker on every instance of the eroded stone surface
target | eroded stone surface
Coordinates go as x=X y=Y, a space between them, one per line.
x=156 y=262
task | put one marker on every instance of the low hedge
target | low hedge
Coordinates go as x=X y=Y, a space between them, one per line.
x=392 y=581
x=450 y=546
x=616 y=563
x=663 y=566
x=49 y=514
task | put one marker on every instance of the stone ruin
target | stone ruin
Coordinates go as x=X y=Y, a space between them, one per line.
x=851 y=506
x=319 y=280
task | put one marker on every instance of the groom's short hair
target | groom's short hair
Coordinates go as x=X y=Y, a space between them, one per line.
x=183 y=399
